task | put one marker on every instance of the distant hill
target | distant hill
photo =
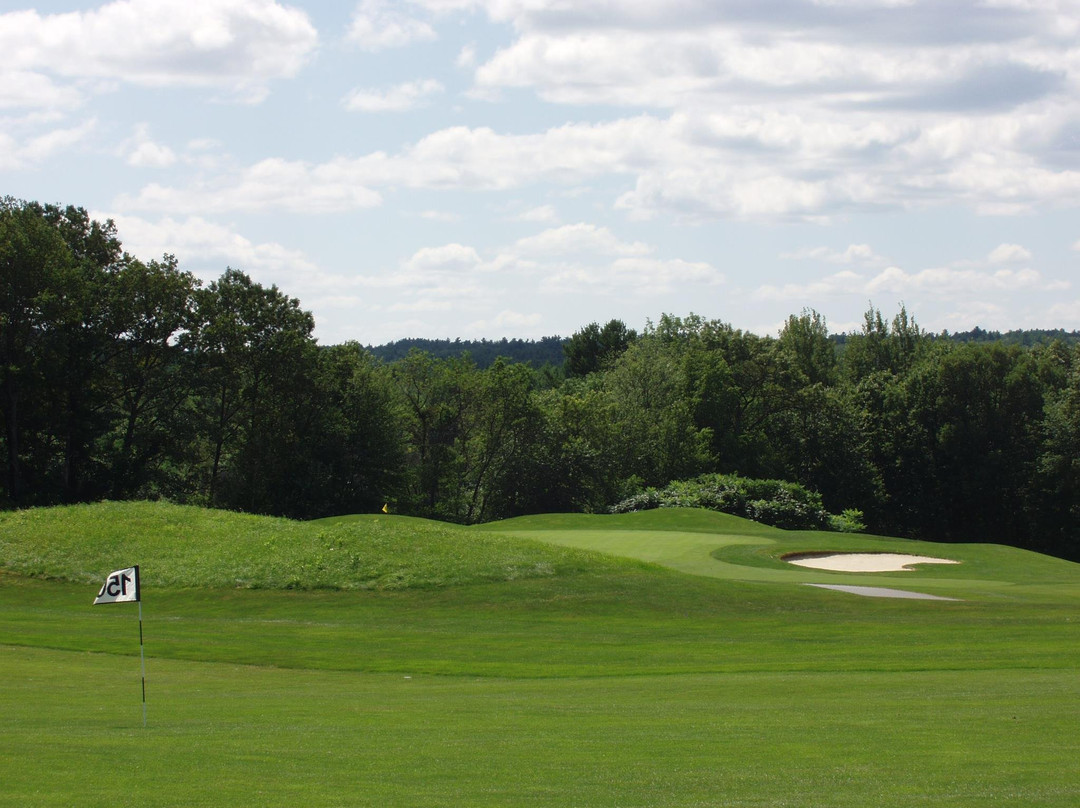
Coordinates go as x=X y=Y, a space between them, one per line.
x=546 y=350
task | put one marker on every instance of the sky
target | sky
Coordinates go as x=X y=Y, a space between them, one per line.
x=522 y=168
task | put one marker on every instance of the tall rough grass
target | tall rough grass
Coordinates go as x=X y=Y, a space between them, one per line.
x=189 y=547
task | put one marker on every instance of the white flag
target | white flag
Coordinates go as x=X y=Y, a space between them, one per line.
x=121 y=586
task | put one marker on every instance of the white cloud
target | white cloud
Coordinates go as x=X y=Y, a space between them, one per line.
x=804 y=110
x=779 y=111
x=575 y=259
x=722 y=190
x=466 y=57
x=649 y=276
x=440 y=216
x=447 y=258
x=196 y=239
x=202 y=144
x=268 y=185
x=971 y=313
x=854 y=254
x=434 y=278
x=957 y=281
x=631 y=277
x=454 y=158
x=1008 y=254
x=28 y=90
x=681 y=63
x=422 y=305
x=1065 y=314
x=578 y=239
x=237 y=45
x=377 y=25
x=398 y=98
x=206 y=248
x=142 y=152
x=838 y=283
x=545 y=214
x=22 y=152
x=934 y=283
x=675 y=169
x=506 y=321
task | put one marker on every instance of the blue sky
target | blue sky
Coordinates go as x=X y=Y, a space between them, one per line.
x=520 y=168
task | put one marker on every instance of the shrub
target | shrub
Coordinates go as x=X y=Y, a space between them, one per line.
x=647 y=500
x=773 y=502
x=848 y=521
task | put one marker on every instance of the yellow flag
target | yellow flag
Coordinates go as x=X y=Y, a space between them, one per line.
x=386 y=508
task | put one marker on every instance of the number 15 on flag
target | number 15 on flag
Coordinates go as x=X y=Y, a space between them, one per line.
x=121 y=586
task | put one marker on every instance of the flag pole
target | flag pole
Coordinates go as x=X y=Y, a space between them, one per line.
x=142 y=660
x=116 y=589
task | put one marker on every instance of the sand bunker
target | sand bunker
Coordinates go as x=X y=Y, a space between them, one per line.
x=863 y=562
x=880 y=592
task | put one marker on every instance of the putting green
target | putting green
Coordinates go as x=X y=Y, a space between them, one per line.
x=685 y=552
x=730 y=548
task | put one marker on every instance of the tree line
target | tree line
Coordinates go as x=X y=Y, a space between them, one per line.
x=128 y=379
x=484 y=352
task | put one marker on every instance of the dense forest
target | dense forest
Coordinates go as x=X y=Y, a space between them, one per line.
x=484 y=352
x=128 y=379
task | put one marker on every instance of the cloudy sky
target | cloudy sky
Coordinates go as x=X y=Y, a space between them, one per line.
x=520 y=168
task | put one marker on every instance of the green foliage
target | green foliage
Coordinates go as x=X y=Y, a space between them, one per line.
x=658 y=439
x=594 y=348
x=850 y=520
x=771 y=502
x=547 y=351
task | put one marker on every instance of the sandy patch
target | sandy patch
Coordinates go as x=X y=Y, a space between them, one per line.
x=863 y=562
x=880 y=592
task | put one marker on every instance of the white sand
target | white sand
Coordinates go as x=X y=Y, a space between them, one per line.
x=880 y=592
x=863 y=562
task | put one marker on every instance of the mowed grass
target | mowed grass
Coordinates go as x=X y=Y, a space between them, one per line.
x=718 y=545
x=515 y=666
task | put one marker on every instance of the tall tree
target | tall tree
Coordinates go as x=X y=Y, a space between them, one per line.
x=805 y=339
x=348 y=450
x=250 y=345
x=1057 y=496
x=572 y=464
x=57 y=269
x=435 y=396
x=595 y=348
x=83 y=343
x=502 y=434
x=659 y=440
x=34 y=263
x=151 y=306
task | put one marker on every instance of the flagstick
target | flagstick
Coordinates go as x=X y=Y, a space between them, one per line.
x=142 y=659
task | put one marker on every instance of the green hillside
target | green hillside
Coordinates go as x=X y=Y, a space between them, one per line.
x=188 y=547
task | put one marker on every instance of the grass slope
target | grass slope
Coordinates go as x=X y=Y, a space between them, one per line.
x=186 y=547
x=515 y=666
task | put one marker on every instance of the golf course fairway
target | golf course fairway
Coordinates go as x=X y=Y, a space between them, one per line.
x=664 y=658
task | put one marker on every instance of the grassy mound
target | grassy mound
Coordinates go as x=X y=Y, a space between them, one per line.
x=188 y=547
